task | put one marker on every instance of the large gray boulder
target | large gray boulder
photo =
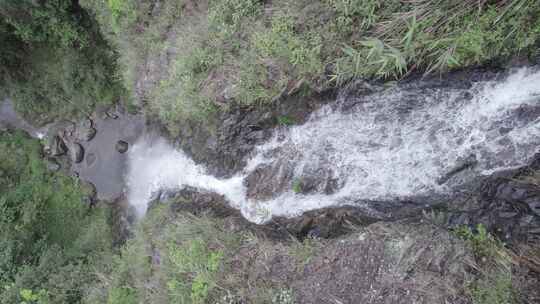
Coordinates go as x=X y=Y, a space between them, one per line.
x=122 y=146
x=76 y=153
x=58 y=146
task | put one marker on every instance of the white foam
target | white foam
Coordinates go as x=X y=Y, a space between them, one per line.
x=388 y=146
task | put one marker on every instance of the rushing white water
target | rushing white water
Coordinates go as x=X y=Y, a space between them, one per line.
x=391 y=144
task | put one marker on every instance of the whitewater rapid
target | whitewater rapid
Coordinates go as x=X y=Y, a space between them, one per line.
x=391 y=144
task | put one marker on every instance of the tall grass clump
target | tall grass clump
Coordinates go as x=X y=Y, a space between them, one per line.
x=440 y=35
x=54 y=60
x=493 y=283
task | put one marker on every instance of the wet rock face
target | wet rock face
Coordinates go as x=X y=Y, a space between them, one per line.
x=268 y=181
x=520 y=193
x=224 y=149
x=508 y=206
x=323 y=223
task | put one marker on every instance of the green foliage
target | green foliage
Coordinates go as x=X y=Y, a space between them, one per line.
x=426 y=36
x=178 y=97
x=193 y=255
x=195 y=260
x=250 y=51
x=122 y=296
x=283 y=296
x=50 y=22
x=285 y=120
x=28 y=296
x=281 y=42
x=50 y=239
x=495 y=290
x=62 y=67
x=297 y=186
x=304 y=251
x=251 y=88
x=351 y=12
x=226 y=16
x=483 y=243
x=196 y=254
x=494 y=283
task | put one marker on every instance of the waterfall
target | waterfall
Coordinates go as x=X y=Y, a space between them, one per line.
x=390 y=144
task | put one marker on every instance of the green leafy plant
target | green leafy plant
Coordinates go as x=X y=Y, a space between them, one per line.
x=124 y=295
x=285 y=120
x=297 y=186
x=494 y=284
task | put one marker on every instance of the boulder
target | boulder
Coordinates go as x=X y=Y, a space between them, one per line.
x=87 y=123
x=122 y=146
x=88 y=134
x=58 y=146
x=86 y=130
x=52 y=165
x=76 y=153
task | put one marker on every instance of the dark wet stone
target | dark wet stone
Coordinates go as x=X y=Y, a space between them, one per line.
x=111 y=114
x=89 y=134
x=256 y=136
x=76 y=152
x=534 y=204
x=519 y=192
x=52 y=165
x=267 y=181
x=58 y=146
x=254 y=128
x=86 y=130
x=507 y=214
x=463 y=164
x=122 y=146
x=504 y=130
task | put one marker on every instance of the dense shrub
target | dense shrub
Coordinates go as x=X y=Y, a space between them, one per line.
x=50 y=239
x=56 y=63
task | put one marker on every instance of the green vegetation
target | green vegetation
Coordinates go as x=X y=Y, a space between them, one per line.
x=177 y=257
x=53 y=61
x=284 y=296
x=187 y=59
x=303 y=251
x=285 y=120
x=297 y=186
x=193 y=255
x=50 y=240
x=250 y=52
x=494 y=281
